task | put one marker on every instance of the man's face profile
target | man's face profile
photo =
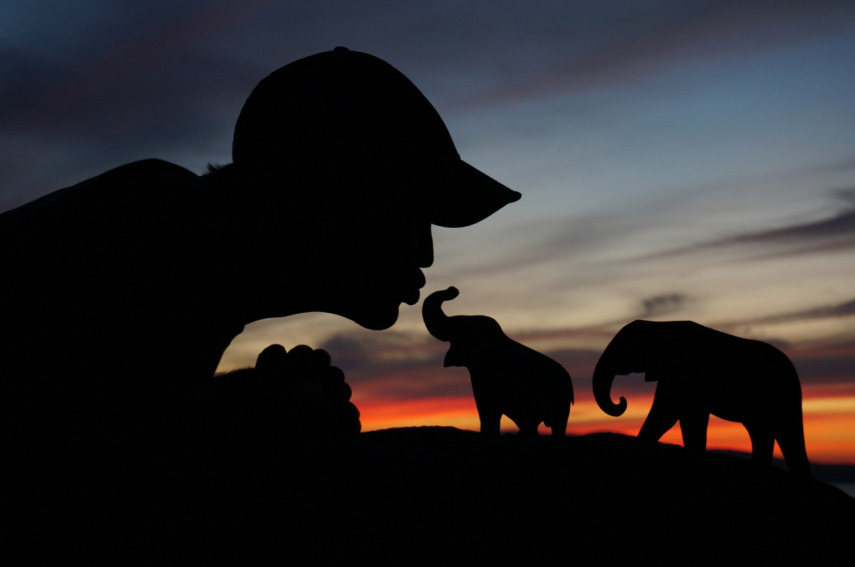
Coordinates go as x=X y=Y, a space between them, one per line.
x=382 y=251
x=351 y=137
x=340 y=251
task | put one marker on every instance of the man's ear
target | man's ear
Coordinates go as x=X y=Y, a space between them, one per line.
x=233 y=204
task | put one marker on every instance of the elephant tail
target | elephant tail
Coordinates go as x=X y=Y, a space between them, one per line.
x=789 y=429
x=792 y=442
x=790 y=432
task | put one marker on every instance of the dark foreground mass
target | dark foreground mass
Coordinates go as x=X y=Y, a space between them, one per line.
x=411 y=495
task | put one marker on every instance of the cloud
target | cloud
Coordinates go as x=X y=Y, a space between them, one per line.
x=830 y=369
x=837 y=166
x=396 y=365
x=88 y=89
x=663 y=305
x=634 y=42
x=838 y=310
x=387 y=347
x=832 y=233
x=106 y=86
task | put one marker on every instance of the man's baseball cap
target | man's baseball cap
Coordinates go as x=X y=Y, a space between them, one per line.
x=347 y=115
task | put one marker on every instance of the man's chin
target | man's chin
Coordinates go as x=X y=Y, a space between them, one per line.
x=376 y=319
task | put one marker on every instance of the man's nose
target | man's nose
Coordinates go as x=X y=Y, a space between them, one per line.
x=424 y=245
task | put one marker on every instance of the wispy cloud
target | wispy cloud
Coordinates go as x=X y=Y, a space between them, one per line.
x=396 y=365
x=661 y=305
x=662 y=37
x=834 y=232
x=844 y=309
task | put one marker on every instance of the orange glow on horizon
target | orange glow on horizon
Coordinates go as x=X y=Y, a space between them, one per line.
x=386 y=414
x=829 y=423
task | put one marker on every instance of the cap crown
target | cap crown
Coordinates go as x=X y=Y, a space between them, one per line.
x=338 y=113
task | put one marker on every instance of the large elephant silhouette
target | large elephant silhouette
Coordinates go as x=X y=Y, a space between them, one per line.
x=702 y=372
x=508 y=378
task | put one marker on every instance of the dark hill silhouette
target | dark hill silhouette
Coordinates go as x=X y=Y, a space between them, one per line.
x=418 y=494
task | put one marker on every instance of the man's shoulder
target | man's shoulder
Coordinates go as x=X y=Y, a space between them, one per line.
x=148 y=173
x=134 y=190
x=131 y=191
x=149 y=168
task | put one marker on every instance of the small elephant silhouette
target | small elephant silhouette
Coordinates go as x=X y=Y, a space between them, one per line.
x=701 y=371
x=508 y=378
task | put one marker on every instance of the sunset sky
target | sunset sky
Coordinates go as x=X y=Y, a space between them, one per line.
x=677 y=160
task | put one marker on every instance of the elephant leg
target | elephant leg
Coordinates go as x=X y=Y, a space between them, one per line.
x=762 y=443
x=491 y=419
x=663 y=415
x=491 y=426
x=528 y=430
x=488 y=408
x=557 y=420
x=559 y=426
x=694 y=428
x=792 y=443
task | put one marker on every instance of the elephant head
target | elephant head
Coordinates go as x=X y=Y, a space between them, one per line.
x=625 y=354
x=472 y=337
x=508 y=378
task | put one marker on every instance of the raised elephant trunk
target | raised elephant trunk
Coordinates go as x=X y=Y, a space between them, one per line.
x=604 y=375
x=436 y=321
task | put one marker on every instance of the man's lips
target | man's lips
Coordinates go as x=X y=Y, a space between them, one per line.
x=411 y=294
x=411 y=297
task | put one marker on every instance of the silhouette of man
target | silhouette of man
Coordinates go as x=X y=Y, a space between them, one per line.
x=120 y=294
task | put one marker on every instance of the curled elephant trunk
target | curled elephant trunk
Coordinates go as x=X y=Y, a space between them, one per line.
x=602 y=384
x=436 y=321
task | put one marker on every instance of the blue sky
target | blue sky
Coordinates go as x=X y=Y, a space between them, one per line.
x=677 y=160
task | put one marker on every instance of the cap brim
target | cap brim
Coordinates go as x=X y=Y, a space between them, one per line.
x=470 y=197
